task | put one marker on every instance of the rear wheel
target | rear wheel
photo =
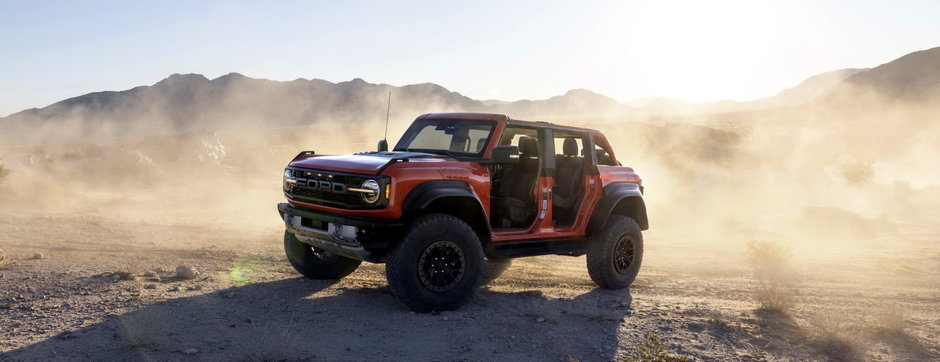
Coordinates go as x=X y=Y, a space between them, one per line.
x=615 y=253
x=315 y=263
x=437 y=264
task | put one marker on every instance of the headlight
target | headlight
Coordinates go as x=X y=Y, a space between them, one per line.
x=373 y=186
x=288 y=179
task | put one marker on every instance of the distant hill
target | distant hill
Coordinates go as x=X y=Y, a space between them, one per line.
x=808 y=90
x=186 y=102
x=815 y=86
x=574 y=103
x=914 y=77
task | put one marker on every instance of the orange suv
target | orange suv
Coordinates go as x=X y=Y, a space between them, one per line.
x=460 y=190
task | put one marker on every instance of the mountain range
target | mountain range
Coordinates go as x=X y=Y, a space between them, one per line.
x=192 y=101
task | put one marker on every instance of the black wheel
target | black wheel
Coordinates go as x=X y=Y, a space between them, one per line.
x=615 y=253
x=493 y=268
x=437 y=264
x=315 y=263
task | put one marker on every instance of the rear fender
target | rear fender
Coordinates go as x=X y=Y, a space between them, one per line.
x=621 y=199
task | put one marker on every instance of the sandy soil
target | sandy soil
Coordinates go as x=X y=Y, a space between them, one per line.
x=248 y=304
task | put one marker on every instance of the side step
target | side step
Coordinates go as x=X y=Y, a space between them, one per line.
x=518 y=249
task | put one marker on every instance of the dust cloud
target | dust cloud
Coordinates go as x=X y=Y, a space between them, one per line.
x=847 y=188
x=828 y=178
x=151 y=161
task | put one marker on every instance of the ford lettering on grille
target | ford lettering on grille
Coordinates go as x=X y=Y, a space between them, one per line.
x=326 y=186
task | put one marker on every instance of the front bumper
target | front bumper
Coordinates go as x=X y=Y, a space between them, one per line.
x=359 y=238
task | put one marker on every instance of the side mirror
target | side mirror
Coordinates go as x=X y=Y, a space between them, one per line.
x=506 y=154
x=383 y=146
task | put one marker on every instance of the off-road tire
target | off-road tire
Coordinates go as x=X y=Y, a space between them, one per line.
x=493 y=268
x=314 y=266
x=602 y=255
x=410 y=277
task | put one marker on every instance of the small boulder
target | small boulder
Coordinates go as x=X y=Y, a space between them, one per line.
x=38 y=256
x=186 y=272
x=3 y=258
x=150 y=286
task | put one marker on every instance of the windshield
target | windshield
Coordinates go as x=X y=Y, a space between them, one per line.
x=450 y=137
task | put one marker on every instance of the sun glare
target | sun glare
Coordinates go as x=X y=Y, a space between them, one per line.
x=687 y=49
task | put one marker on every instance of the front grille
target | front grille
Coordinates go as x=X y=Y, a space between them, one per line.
x=309 y=188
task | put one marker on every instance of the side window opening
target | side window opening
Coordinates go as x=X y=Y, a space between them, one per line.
x=570 y=165
x=513 y=203
x=511 y=136
x=603 y=154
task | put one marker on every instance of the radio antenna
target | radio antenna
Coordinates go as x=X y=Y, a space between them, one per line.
x=387 y=109
x=383 y=144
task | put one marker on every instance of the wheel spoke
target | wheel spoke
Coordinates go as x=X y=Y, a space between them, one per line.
x=623 y=254
x=441 y=266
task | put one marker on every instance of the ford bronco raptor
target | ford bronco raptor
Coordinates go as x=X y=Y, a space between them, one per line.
x=460 y=190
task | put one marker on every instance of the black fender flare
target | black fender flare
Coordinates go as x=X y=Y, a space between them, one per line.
x=426 y=193
x=614 y=195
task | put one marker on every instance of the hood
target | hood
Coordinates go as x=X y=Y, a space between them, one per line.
x=368 y=163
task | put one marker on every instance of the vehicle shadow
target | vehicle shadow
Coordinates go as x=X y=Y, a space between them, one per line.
x=301 y=319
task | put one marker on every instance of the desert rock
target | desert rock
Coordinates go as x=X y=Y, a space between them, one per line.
x=186 y=272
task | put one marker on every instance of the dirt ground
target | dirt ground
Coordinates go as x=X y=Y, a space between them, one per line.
x=247 y=303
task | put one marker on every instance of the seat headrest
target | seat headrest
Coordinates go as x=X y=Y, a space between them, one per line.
x=481 y=143
x=602 y=156
x=529 y=146
x=570 y=147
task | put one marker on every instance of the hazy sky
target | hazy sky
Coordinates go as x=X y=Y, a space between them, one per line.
x=698 y=50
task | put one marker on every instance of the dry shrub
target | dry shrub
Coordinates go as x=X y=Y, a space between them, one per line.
x=774 y=297
x=890 y=322
x=834 y=338
x=775 y=292
x=768 y=255
x=141 y=330
x=653 y=350
x=271 y=343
